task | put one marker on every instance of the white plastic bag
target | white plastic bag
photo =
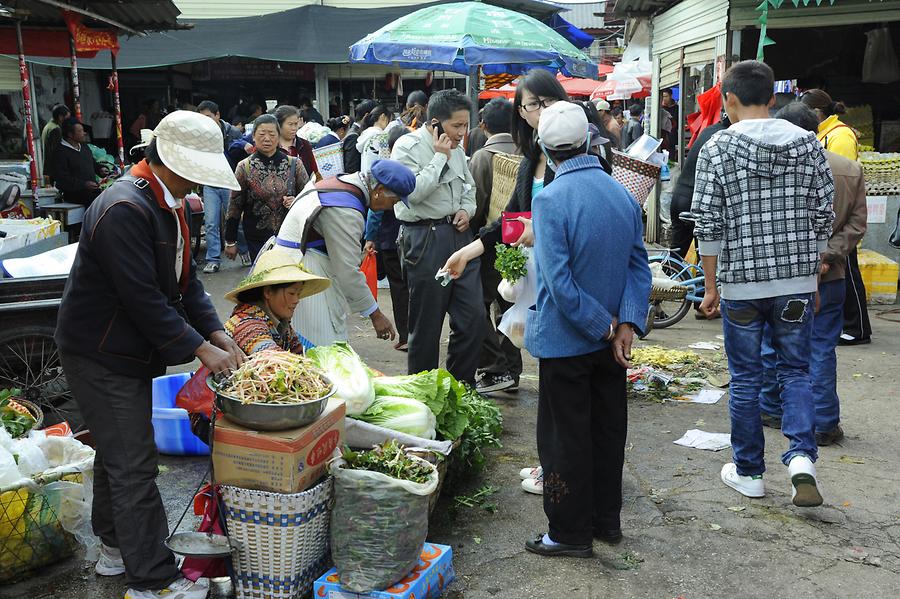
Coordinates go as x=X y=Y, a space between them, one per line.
x=378 y=526
x=30 y=457
x=9 y=471
x=513 y=322
x=880 y=63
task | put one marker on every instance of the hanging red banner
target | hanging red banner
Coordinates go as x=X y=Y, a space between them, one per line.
x=87 y=39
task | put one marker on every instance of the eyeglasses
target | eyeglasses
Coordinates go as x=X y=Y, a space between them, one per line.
x=535 y=106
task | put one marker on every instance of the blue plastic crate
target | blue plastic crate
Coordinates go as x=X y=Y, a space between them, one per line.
x=171 y=425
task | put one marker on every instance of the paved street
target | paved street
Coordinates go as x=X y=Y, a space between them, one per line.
x=686 y=534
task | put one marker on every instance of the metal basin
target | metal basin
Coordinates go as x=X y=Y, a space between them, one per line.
x=269 y=417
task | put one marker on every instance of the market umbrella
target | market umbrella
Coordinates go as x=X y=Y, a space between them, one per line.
x=574 y=86
x=462 y=36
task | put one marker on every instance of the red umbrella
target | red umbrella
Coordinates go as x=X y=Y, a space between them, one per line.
x=608 y=88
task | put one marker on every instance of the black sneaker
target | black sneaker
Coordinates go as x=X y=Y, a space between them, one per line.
x=491 y=383
x=828 y=437
x=610 y=536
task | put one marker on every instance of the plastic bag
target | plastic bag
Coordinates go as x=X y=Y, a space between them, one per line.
x=378 y=526
x=514 y=320
x=880 y=61
x=31 y=459
x=9 y=471
x=195 y=396
x=73 y=508
x=369 y=267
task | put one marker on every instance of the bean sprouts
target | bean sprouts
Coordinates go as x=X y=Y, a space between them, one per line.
x=276 y=377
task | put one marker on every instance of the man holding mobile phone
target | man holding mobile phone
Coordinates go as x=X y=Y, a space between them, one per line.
x=434 y=225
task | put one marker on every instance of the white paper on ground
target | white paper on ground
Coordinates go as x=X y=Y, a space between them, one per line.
x=705 y=396
x=704 y=345
x=703 y=440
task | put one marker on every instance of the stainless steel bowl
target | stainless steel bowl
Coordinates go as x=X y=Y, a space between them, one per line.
x=269 y=417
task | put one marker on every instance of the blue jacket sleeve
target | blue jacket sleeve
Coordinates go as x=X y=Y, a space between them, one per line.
x=554 y=256
x=635 y=298
x=236 y=149
x=373 y=224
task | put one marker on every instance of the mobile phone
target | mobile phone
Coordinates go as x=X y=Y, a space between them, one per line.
x=437 y=125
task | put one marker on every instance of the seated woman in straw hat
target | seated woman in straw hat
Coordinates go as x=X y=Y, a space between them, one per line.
x=266 y=300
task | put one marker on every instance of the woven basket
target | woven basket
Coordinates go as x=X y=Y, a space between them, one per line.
x=637 y=176
x=667 y=294
x=284 y=539
x=330 y=160
x=506 y=169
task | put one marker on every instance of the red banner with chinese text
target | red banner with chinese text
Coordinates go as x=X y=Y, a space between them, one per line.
x=90 y=40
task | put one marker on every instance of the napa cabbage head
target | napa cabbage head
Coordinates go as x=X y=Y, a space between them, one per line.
x=401 y=414
x=350 y=377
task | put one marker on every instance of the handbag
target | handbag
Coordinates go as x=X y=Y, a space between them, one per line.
x=510 y=228
x=894 y=239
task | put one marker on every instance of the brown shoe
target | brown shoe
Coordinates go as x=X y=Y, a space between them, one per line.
x=828 y=437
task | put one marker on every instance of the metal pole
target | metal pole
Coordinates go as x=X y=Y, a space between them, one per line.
x=26 y=98
x=472 y=85
x=76 y=92
x=118 y=110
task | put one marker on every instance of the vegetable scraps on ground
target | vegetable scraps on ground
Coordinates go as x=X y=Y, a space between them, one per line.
x=276 y=377
x=390 y=459
x=510 y=262
x=16 y=418
x=351 y=378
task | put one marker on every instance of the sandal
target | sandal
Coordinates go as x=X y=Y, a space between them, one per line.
x=401 y=346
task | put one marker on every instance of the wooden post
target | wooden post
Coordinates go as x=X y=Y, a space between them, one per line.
x=26 y=98
x=76 y=91
x=118 y=109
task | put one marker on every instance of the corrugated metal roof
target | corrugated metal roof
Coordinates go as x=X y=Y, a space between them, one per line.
x=585 y=16
x=641 y=7
x=141 y=15
x=218 y=9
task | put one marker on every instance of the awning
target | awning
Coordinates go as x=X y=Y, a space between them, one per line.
x=573 y=86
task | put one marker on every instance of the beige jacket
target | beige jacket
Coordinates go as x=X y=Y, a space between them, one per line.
x=849 y=214
x=443 y=187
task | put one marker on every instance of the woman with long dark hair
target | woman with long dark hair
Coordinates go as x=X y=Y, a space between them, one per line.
x=289 y=123
x=373 y=143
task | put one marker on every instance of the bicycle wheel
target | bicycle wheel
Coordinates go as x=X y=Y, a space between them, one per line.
x=668 y=312
x=29 y=360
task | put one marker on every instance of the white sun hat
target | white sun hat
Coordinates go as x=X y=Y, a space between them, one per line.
x=191 y=146
x=146 y=138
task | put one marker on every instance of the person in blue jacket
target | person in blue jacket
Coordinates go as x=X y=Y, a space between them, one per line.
x=593 y=285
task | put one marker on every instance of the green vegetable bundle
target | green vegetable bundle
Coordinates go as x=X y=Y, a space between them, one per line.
x=484 y=425
x=510 y=262
x=14 y=417
x=389 y=458
x=435 y=388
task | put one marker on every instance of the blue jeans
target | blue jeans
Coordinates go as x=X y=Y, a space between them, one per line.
x=826 y=330
x=215 y=203
x=790 y=318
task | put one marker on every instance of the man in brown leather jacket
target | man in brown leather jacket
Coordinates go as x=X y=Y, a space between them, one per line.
x=848 y=228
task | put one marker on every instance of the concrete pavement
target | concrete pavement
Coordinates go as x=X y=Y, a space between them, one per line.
x=686 y=534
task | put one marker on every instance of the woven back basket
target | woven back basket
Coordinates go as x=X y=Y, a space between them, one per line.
x=506 y=169
x=284 y=539
x=637 y=176
x=330 y=160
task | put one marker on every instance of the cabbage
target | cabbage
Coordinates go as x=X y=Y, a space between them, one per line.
x=435 y=388
x=348 y=374
x=401 y=414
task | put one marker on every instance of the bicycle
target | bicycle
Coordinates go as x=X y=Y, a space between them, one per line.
x=670 y=305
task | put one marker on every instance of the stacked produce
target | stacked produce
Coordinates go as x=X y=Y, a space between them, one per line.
x=276 y=377
x=351 y=378
x=881 y=172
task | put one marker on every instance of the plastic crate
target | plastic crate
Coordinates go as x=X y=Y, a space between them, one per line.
x=171 y=425
x=880 y=274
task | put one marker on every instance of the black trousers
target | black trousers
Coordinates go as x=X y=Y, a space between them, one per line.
x=856 y=314
x=255 y=246
x=425 y=249
x=682 y=231
x=399 y=291
x=581 y=427
x=498 y=354
x=127 y=512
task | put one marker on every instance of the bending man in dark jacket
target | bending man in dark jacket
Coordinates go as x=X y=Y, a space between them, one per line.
x=132 y=306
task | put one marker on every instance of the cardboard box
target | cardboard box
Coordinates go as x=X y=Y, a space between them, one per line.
x=279 y=461
x=431 y=576
x=879 y=274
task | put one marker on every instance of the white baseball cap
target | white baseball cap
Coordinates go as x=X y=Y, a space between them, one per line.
x=563 y=126
x=601 y=104
x=191 y=146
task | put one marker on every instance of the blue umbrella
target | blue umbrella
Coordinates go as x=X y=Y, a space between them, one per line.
x=462 y=36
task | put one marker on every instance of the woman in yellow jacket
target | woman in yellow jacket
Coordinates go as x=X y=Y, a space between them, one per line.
x=841 y=139
x=834 y=135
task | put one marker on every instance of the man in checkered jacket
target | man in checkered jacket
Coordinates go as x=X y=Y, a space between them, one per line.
x=762 y=201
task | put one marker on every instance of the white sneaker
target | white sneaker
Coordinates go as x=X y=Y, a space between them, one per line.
x=804 y=490
x=110 y=562
x=534 y=485
x=182 y=588
x=748 y=486
x=526 y=473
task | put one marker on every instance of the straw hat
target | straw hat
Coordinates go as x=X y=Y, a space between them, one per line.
x=146 y=138
x=191 y=146
x=275 y=267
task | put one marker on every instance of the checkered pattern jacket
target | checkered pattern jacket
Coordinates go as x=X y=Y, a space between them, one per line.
x=767 y=208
